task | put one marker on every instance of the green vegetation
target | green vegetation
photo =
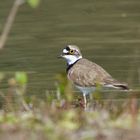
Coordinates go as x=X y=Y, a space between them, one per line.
x=33 y=3
x=60 y=115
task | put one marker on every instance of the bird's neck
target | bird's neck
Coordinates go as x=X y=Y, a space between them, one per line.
x=72 y=59
x=71 y=65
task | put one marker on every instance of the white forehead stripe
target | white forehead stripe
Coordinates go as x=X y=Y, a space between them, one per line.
x=65 y=51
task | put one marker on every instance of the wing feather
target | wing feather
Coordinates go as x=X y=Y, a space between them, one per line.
x=87 y=73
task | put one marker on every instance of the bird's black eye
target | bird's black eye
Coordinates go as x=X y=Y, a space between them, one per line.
x=71 y=51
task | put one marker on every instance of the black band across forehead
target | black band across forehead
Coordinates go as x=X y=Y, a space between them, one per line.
x=67 y=48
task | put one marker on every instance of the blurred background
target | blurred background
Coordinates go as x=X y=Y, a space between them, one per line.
x=107 y=32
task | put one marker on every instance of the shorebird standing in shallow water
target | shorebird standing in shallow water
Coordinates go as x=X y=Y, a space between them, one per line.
x=85 y=74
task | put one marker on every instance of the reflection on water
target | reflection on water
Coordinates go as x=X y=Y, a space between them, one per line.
x=107 y=32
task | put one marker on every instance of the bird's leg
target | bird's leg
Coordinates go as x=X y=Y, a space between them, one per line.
x=85 y=101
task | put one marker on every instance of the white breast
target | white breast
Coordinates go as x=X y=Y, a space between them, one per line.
x=86 y=90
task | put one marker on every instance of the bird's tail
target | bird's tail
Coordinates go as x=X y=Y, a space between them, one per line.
x=116 y=84
x=121 y=86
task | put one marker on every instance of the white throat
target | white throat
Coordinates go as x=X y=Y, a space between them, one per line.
x=71 y=59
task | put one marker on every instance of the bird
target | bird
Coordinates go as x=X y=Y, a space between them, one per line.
x=87 y=75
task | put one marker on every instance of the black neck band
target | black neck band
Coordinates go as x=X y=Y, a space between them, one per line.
x=69 y=66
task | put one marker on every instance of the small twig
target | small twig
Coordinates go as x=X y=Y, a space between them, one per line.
x=134 y=109
x=9 y=22
x=25 y=105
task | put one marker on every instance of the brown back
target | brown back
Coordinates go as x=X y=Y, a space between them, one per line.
x=86 y=73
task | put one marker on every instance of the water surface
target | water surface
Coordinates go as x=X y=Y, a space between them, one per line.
x=108 y=33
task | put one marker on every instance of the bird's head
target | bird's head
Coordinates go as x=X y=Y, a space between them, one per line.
x=71 y=53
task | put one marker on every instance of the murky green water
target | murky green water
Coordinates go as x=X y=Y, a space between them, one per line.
x=108 y=32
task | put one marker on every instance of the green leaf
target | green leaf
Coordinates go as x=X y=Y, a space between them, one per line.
x=33 y=3
x=21 y=78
